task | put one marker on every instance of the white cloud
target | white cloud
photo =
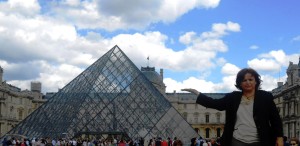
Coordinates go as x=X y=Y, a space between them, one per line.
x=55 y=53
x=272 y=61
x=220 y=29
x=253 y=47
x=118 y=14
x=268 y=82
x=278 y=55
x=297 y=38
x=202 y=49
x=187 y=38
x=170 y=10
x=20 y=7
x=192 y=82
x=264 y=64
x=73 y=3
x=230 y=69
x=202 y=85
x=51 y=77
x=41 y=39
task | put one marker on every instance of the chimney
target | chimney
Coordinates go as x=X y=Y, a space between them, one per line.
x=1 y=74
x=162 y=73
x=279 y=84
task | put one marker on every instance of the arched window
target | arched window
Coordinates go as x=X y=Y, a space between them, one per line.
x=218 y=132
x=207 y=132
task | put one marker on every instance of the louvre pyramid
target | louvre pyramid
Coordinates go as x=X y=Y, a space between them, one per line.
x=111 y=95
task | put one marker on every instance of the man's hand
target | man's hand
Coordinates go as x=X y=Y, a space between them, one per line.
x=191 y=90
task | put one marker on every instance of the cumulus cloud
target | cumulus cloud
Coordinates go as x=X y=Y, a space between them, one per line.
x=187 y=38
x=192 y=82
x=41 y=38
x=55 y=77
x=84 y=50
x=272 y=61
x=226 y=85
x=264 y=64
x=203 y=48
x=19 y=7
x=117 y=14
x=220 y=29
x=230 y=69
x=50 y=49
x=202 y=85
x=269 y=82
x=44 y=40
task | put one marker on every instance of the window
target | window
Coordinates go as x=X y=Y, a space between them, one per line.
x=20 y=114
x=207 y=132
x=207 y=118
x=218 y=132
x=292 y=79
x=218 y=117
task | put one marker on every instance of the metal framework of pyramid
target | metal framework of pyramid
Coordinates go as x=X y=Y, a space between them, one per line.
x=110 y=96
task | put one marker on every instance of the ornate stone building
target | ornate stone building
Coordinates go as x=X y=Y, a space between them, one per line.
x=15 y=105
x=287 y=98
x=209 y=123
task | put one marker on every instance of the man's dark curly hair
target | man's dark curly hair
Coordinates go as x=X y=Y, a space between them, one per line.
x=241 y=75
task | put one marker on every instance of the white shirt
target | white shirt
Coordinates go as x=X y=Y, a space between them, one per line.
x=245 y=127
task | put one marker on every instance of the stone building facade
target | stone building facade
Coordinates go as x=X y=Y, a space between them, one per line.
x=287 y=99
x=15 y=105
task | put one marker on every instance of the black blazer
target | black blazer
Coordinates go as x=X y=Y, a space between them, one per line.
x=265 y=115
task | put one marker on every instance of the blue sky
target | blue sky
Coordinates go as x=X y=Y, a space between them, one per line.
x=200 y=44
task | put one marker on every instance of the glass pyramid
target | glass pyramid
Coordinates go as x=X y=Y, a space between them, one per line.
x=110 y=96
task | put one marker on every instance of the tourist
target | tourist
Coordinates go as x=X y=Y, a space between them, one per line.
x=251 y=114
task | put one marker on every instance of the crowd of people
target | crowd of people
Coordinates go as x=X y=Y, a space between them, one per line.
x=69 y=142
x=205 y=142
x=89 y=142
x=197 y=141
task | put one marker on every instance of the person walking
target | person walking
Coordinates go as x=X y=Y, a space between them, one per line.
x=252 y=118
